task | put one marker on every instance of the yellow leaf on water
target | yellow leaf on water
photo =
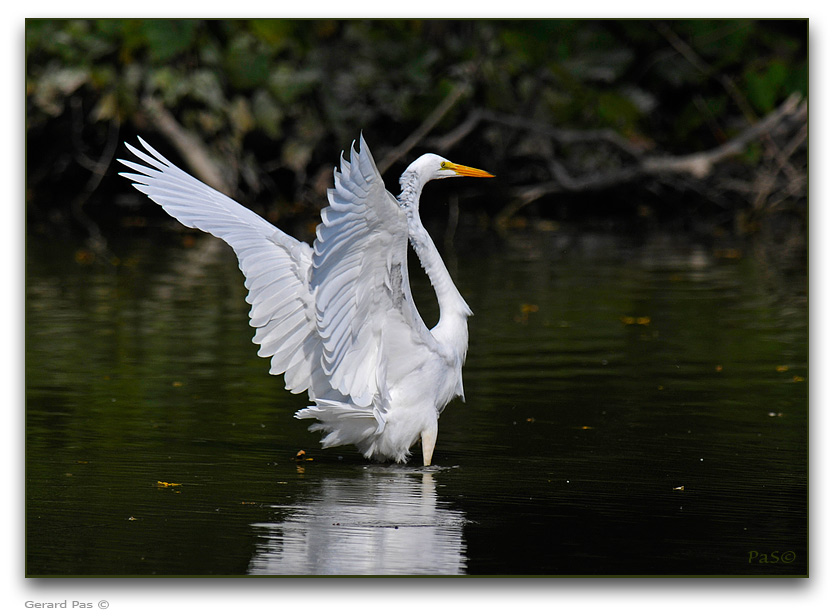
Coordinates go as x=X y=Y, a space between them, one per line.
x=84 y=257
x=526 y=310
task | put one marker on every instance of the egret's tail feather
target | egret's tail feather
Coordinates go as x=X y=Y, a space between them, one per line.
x=345 y=424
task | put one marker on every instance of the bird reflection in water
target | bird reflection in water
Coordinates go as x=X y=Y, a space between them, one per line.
x=388 y=521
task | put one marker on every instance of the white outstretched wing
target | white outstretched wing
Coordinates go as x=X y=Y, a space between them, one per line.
x=319 y=312
x=360 y=278
x=276 y=267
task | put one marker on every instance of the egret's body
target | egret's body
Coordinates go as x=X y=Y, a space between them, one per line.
x=337 y=318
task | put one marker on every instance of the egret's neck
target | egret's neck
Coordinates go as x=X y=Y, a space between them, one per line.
x=451 y=327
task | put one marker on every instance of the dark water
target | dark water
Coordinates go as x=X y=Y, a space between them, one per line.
x=634 y=406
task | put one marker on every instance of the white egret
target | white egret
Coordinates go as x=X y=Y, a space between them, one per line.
x=337 y=318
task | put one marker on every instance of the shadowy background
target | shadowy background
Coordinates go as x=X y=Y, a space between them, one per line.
x=699 y=124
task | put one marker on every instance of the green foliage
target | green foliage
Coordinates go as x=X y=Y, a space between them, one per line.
x=767 y=85
x=167 y=38
x=290 y=92
x=617 y=110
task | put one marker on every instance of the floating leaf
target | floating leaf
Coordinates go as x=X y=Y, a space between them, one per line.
x=636 y=320
x=526 y=310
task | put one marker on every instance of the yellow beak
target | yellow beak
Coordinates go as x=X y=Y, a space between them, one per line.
x=468 y=171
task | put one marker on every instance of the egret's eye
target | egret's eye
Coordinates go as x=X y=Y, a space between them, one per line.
x=445 y=165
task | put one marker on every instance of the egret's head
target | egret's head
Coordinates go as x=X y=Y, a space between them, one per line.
x=433 y=167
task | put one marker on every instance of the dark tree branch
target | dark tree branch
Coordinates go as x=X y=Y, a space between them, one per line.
x=449 y=101
x=564 y=136
x=190 y=147
x=698 y=165
x=98 y=170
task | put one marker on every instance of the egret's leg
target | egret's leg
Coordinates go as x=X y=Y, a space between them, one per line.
x=428 y=438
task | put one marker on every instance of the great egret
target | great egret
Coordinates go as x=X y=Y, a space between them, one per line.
x=337 y=318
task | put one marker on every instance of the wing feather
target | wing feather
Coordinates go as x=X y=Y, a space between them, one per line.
x=276 y=266
x=359 y=260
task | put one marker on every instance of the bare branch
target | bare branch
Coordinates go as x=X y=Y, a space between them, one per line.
x=698 y=164
x=449 y=101
x=451 y=139
x=190 y=147
x=98 y=169
x=565 y=136
x=683 y=48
